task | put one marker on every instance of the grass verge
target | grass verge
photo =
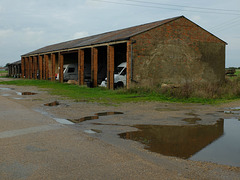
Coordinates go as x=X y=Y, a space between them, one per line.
x=105 y=96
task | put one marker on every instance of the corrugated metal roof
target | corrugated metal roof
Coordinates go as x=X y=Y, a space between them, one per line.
x=113 y=36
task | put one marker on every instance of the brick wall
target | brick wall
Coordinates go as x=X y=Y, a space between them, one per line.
x=177 y=52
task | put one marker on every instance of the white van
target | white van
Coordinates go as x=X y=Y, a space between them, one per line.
x=70 y=72
x=119 y=76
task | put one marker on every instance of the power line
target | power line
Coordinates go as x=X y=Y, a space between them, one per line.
x=230 y=25
x=224 y=24
x=175 y=9
x=192 y=7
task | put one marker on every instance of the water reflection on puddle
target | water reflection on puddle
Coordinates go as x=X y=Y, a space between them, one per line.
x=92 y=131
x=55 y=103
x=217 y=143
x=226 y=149
x=17 y=98
x=6 y=95
x=6 y=89
x=28 y=93
x=87 y=118
x=63 y=121
x=107 y=113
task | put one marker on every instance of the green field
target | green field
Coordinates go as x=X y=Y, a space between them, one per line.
x=110 y=97
x=3 y=74
x=237 y=72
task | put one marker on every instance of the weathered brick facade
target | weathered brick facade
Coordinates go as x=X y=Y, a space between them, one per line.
x=177 y=52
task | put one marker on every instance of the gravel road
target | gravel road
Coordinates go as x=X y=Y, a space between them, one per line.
x=33 y=145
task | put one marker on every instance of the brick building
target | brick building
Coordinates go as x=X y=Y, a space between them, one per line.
x=174 y=50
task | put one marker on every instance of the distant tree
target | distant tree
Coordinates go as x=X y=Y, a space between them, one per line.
x=7 y=65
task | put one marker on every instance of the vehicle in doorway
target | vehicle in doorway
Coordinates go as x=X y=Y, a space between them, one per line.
x=119 y=76
x=70 y=72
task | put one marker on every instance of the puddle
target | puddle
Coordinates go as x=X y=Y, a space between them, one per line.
x=63 y=121
x=96 y=116
x=87 y=118
x=55 y=103
x=92 y=131
x=17 y=98
x=103 y=124
x=96 y=130
x=180 y=141
x=191 y=120
x=19 y=93
x=232 y=112
x=108 y=113
x=27 y=93
x=6 y=89
x=224 y=150
x=6 y=95
x=217 y=143
x=235 y=110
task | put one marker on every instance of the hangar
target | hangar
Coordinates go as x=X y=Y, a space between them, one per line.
x=174 y=50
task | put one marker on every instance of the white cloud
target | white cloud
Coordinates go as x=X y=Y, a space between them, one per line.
x=5 y=33
x=196 y=18
x=28 y=25
x=93 y=3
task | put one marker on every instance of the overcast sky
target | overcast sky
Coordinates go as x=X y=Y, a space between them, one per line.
x=26 y=25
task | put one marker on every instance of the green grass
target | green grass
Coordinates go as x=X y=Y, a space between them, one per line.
x=237 y=72
x=3 y=74
x=105 y=96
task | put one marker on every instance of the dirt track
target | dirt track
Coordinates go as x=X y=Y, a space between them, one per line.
x=35 y=146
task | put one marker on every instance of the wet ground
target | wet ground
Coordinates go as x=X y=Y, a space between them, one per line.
x=192 y=132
